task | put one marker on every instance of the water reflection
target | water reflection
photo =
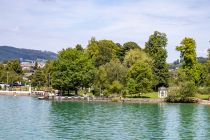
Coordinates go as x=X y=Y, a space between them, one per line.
x=28 y=118
x=129 y=121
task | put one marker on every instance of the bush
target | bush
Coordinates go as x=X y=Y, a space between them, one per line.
x=187 y=89
x=203 y=90
x=183 y=93
x=174 y=95
x=116 y=99
x=177 y=99
x=116 y=87
x=106 y=93
x=172 y=99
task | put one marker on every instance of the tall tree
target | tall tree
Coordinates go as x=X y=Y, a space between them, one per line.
x=205 y=72
x=15 y=66
x=101 y=79
x=135 y=55
x=79 y=47
x=72 y=70
x=190 y=65
x=126 y=48
x=140 y=78
x=48 y=70
x=36 y=65
x=11 y=72
x=101 y=52
x=9 y=77
x=38 y=78
x=156 y=48
x=111 y=76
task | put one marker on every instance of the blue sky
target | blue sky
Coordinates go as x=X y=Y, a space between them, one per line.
x=56 y=24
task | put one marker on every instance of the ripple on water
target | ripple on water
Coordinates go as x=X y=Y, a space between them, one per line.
x=29 y=118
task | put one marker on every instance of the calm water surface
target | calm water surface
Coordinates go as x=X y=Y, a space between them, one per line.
x=27 y=118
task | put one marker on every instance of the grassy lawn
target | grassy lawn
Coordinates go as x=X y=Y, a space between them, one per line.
x=202 y=96
x=152 y=95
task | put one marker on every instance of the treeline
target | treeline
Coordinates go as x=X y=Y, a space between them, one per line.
x=104 y=67
x=10 y=72
x=108 y=67
x=127 y=69
x=191 y=75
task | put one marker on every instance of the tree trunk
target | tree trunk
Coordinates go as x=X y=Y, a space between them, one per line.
x=100 y=89
x=76 y=92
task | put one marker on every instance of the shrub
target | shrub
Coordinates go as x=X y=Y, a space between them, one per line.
x=115 y=99
x=174 y=95
x=187 y=89
x=203 y=90
x=183 y=93
x=116 y=87
x=106 y=93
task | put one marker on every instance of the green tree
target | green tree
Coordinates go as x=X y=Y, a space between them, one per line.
x=14 y=65
x=1 y=72
x=190 y=65
x=135 y=55
x=9 y=76
x=111 y=77
x=156 y=48
x=116 y=71
x=116 y=87
x=101 y=79
x=79 y=47
x=140 y=78
x=36 y=65
x=11 y=72
x=101 y=52
x=72 y=70
x=38 y=78
x=132 y=86
x=126 y=48
x=48 y=70
x=187 y=89
x=205 y=72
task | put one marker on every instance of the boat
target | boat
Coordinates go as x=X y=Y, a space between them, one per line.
x=41 y=98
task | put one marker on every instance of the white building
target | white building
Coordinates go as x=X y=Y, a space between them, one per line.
x=162 y=92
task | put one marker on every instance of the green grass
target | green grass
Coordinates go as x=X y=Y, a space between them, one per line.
x=152 y=95
x=202 y=96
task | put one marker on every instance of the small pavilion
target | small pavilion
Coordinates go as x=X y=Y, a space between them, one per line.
x=162 y=92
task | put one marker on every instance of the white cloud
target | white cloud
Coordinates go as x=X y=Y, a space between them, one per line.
x=55 y=24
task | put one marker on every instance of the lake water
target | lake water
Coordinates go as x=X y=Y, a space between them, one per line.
x=27 y=118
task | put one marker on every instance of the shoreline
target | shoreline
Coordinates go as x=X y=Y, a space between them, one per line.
x=14 y=93
x=93 y=99
x=83 y=99
x=105 y=99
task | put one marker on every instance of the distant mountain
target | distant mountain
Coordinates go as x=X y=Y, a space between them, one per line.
x=8 y=52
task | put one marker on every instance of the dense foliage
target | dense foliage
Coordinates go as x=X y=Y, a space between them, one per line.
x=190 y=65
x=10 y=72
x=156 y=48
x=72 y=70
x=106 y=68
